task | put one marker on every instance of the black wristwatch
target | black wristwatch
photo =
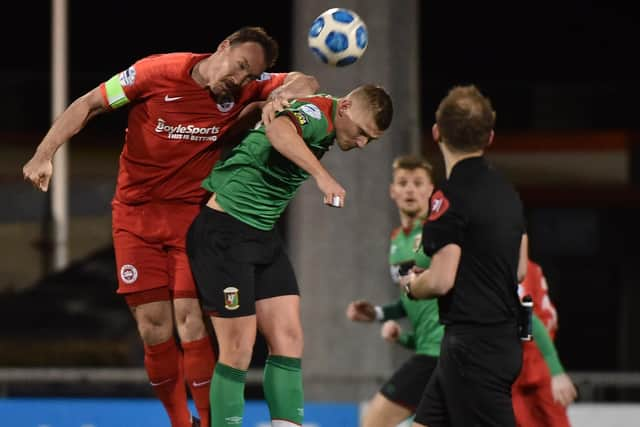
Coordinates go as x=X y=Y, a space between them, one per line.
x=407 y=291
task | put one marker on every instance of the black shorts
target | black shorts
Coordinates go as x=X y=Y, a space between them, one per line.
x=234 y=264
x=406 y=385
x=471 y=386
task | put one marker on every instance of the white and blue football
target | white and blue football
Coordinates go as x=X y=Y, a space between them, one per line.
x=338 y=37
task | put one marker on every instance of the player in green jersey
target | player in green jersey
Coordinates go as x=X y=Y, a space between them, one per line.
x=242 y=272
x=398 y=398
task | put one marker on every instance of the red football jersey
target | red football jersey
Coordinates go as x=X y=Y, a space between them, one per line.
x=535 y=284
x=534 y=368
x=173 y=125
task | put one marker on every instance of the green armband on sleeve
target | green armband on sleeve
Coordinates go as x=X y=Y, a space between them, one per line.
x=115 y=93
x=407 y=340
x=393 y=311
x=545 y=345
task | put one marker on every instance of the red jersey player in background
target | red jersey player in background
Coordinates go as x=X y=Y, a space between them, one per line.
x=543 y=390
x=181 y=104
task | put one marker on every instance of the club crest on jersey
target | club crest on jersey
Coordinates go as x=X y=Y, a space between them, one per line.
x=417 y=241
x=264 y=76
x=128 y=76
x=439 y=205
x=128 y=274
x=231 y=298
x=225 y=106
x=311 y=110
x=301 y=118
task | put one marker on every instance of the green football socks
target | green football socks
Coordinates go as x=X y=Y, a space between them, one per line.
x=283 y=389
x=227 y=396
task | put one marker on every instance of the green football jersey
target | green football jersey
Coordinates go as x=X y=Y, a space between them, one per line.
x=423 y=314
x=256 y=183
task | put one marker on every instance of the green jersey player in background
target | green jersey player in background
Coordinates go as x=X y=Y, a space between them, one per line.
x=242 y=272
x=398 y=398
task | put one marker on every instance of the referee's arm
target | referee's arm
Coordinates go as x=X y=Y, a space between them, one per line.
x=524 y=257
x=439 y=278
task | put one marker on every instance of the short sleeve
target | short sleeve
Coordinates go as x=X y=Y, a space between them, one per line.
x=309 y=120
x=133 y=83
x=445 y=224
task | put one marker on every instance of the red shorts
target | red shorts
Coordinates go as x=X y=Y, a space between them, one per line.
x=534 y=407
x=149 y=242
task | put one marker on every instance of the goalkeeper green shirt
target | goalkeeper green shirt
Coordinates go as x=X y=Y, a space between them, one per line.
x=423 y=314
x=256 y=183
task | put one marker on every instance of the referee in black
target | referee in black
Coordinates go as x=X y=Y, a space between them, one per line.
x=473 y=233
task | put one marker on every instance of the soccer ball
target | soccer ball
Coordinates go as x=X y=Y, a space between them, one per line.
x=338 y=37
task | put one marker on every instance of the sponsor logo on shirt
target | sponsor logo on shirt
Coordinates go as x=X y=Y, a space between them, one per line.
x=301 y=118
x=187 y=132
x=311 y=110
x=128 y=76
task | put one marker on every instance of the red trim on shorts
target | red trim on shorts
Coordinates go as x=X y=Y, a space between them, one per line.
x=152 y=295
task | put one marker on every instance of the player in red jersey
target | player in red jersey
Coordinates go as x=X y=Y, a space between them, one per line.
x=542 y=390
x=181 y=104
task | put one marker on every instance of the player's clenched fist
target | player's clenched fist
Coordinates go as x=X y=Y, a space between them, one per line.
x=38 y=172
x=361 y=311
x=390 y=331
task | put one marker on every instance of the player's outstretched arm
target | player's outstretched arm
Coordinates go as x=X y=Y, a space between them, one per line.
x=562 y=388
x=296 y=85
x=284 y=137
x=39 y=168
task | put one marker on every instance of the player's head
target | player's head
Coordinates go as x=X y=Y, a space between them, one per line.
x=465 y=120
x=240 y=58
x=412 y=185
x=364 y=114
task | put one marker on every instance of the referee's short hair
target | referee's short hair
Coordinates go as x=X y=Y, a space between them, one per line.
x=465 y=119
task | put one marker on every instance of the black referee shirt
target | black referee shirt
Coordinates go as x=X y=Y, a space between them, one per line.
x=480 y=211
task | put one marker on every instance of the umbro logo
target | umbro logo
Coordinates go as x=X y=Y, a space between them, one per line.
x=168 y=98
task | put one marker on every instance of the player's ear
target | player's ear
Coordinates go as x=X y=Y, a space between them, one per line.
x=491 y=135
x=343 y=105
x=435 y=132
x=224 y=44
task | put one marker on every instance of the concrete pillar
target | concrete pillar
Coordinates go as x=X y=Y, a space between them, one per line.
x=341 y=254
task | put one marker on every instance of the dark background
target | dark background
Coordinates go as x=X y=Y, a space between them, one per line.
x=562 y=65
x=585 y=50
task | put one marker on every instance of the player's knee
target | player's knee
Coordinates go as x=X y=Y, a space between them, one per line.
x=287 y=341
x=236 y=352
x=154 y=328
x=189 y=322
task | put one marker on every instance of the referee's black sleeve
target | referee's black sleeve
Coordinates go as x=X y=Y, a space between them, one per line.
x=446 y=222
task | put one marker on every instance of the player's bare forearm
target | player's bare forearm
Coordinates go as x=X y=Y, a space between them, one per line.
x=283 y=137
x=296 y=85
x=440 y=277
x=70 y=122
